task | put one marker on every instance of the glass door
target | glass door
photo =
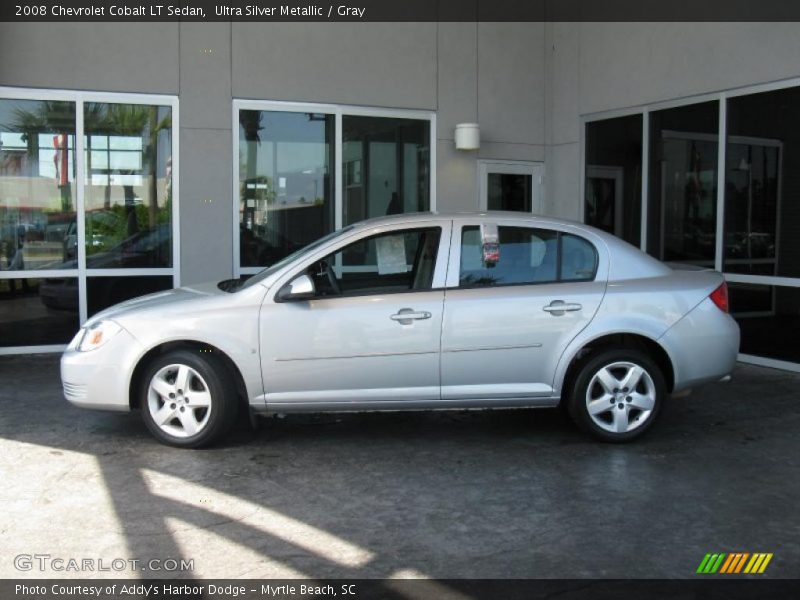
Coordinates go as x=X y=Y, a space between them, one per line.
x=510 y=185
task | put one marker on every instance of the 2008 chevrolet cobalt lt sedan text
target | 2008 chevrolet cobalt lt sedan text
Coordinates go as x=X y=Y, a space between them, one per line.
x=423 y=311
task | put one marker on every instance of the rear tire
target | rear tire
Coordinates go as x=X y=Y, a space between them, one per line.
x=188 y=399
x=617 y=394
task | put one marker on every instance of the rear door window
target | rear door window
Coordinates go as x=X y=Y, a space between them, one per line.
x=527 y=256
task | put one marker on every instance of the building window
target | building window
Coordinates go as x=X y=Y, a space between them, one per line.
x=65 y=223
x=286 y=197
x=762 y=216
x=37 y=183
x=128 y=189
x=762 y=192
x=682 y=210
x=306 y=170
x=613 y=189
x=385 y=166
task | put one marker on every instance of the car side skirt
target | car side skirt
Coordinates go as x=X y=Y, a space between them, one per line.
x=398 y=405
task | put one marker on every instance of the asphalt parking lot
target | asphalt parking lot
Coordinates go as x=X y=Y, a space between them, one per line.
x=495 y=494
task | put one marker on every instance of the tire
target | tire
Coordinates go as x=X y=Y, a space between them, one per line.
x=192 y=412
x=624 y=414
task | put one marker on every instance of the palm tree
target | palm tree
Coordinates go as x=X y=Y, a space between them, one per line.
x=51 y=116
x=99 y=119
x=131 y=120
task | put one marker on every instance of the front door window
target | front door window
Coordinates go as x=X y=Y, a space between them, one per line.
x=398 y=261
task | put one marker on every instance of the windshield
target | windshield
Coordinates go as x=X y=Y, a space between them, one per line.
x=261 y=275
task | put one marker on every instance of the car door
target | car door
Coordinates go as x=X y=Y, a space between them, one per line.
x=507 y=323
x=370 y=335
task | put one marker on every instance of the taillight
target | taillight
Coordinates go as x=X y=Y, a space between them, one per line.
x=720 y=297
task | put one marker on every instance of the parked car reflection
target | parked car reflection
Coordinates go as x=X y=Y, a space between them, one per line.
x=146 y=249
x=263 y=247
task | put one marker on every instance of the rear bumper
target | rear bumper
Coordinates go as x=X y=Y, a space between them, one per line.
x=703 y=346
x=100 y=378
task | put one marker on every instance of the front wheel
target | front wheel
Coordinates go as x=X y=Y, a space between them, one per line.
x=617 y=394
x=187 y=399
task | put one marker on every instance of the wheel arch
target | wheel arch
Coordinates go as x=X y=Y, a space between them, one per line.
x=185 y=344
x=621 y=339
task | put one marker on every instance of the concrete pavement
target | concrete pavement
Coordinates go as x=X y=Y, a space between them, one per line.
x=496 y=494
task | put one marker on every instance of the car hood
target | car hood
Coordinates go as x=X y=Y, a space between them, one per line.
x=157 y=300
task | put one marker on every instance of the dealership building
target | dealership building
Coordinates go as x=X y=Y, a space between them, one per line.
x=135 y=157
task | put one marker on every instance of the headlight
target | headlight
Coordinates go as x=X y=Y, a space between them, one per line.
x=97 y=335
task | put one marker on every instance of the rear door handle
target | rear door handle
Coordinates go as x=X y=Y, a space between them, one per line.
x=406 y=315
x=559 y=307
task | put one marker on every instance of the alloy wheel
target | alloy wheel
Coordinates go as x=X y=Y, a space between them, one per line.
x=620 y=397
x=179 y=401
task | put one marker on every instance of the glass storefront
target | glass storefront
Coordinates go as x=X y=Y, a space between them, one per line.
x=38 y=312
x=128 y=189
x=286 y=197
x=37 y=183
x=682 y=214
x=125 y=184
x=753 y=242
x=762 y=192
x=613 y=191
x=385 y=166
x=287 y=188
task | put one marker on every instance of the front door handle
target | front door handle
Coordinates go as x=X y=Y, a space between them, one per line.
x=406 y=315
x=559 y=307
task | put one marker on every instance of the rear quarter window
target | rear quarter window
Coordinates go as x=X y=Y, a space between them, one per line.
x=578 y=258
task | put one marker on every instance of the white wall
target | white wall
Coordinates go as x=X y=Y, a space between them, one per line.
x=490 y=72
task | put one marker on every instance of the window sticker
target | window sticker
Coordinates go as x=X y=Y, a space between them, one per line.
x=391 y=251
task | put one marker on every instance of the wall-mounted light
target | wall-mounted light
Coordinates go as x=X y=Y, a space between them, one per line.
x=468 y=136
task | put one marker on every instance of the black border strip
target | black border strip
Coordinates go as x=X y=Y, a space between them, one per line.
x=400 y=10
x=712 y=586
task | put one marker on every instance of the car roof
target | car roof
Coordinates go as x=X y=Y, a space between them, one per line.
x=454 y=215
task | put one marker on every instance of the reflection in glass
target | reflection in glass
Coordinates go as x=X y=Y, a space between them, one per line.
x=765 y=315
x=614 y=176
x=526 y=256
x=128 y=186
x=103 y=292
x=285 y=183
x=683 y=184
x=762 y=195
x=38 y=312
x=37 y=183
x=509 y=191
x=385 y=165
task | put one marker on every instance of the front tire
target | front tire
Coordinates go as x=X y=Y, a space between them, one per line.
x=187 y=399
x=617 y=394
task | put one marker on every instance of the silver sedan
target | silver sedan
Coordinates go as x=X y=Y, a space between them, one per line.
x=423 y=311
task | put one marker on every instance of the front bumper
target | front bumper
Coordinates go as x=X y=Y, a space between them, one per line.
x=100 y=379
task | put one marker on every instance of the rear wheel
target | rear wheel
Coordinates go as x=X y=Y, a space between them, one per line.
x=187 y=399
x=617 y=394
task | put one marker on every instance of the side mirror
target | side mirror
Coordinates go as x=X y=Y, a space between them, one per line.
x=299 y=288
